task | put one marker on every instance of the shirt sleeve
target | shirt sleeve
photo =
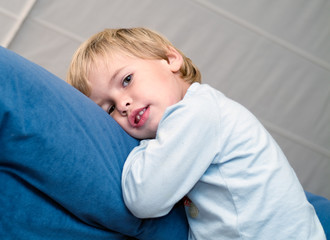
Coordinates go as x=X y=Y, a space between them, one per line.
x=159 y=172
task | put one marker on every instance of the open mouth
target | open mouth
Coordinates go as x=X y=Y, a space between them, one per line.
x=139 y=116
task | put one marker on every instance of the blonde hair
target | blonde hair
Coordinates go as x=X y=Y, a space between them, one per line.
x=139 y=42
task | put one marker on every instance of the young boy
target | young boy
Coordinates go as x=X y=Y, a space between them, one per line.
x=198 y=144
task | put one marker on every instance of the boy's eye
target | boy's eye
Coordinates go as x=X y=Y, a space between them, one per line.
x=127 y=80
x=111 y=109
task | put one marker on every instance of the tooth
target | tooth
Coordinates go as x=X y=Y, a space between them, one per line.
x=141 y=112
x=138 y=117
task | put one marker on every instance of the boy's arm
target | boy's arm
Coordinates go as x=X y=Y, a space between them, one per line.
x=159 y=172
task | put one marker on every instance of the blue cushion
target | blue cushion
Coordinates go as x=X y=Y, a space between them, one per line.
x=60 y=163
x=322 y=209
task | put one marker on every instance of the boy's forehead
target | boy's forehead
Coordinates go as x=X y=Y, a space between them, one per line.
x=112 y=58
x=108 y=66
x=102 y=62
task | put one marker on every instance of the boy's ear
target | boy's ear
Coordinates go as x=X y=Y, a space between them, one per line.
x=175 y=59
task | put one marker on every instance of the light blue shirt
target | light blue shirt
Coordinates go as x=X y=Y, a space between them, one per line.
x=216 y=152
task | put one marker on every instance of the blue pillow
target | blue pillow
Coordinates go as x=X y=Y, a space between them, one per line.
x=60 y=163
x=322 y=209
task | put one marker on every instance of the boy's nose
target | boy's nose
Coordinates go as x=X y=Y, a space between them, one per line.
x=123 y=107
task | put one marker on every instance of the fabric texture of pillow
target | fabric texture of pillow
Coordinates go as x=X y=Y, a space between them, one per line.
x=60 y=163
x=322 y=208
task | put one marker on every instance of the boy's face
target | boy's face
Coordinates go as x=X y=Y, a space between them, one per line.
x=137 y=91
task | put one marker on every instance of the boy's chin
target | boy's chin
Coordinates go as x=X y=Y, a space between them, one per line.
x=143 y=135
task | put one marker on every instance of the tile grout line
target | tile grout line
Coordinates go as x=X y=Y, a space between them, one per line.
x=265 y=34
x=20 y=20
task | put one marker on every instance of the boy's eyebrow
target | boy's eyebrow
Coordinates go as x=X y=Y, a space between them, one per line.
x=116 y=73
